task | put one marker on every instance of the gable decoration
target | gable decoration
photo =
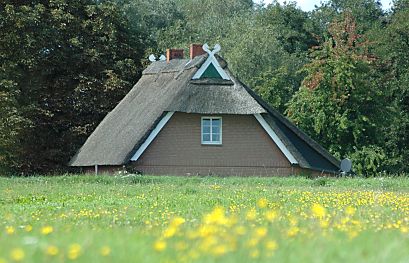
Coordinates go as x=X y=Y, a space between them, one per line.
x=211 y=67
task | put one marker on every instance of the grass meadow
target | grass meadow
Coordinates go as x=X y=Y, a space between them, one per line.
x=203 y=219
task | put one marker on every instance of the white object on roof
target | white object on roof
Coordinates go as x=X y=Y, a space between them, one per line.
x=211 y=60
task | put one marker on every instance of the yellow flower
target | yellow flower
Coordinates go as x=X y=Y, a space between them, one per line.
x=251 y=214
x=404 y=229
x=240 y=230
x=52 y=251
x=350 y=210
x=271 y=245
x=74 y=251
x=261 y=232
x=252 y=242
x=105 y=251
x=262 y=203
x=159 y=245
x=293 y=231
x=177 y=221
x=169 y=232
x=318 y=210
x=270 y=215
x=352 y=234
x=324 y=223
x=255 y=253
x=208 y=242
x=28 y=228
x=45 y=230
x=219 y=250
x=10 y=230
x=217 y=216
x=17 y=254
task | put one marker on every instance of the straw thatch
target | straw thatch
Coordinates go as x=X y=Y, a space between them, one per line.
x=169 y=86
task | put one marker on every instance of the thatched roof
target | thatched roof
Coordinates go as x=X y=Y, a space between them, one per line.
x=166 y=87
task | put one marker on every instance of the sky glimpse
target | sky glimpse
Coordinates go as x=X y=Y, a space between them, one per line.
x=308 y=5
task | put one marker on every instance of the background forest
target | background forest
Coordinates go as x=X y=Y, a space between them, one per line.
x=340 y=72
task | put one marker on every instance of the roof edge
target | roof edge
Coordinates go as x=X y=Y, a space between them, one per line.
x=313 y=144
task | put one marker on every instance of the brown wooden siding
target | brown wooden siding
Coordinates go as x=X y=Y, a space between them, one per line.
x=246 y=150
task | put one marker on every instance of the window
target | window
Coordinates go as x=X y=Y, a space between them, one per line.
x=211 y=130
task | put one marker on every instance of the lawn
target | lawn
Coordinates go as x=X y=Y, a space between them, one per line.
x=203 y=219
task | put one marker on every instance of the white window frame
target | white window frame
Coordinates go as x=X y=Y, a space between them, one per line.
x=211 y=132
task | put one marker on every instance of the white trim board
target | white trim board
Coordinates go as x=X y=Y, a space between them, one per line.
x=152 y=135
x=211 y=60
x=275 y=138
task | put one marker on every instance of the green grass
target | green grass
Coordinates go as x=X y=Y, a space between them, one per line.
x=130 y=214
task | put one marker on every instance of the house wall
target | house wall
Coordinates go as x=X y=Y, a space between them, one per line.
x=246 y=150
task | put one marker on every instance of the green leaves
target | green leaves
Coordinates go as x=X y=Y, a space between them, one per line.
x=339 y=103
x=75 y=60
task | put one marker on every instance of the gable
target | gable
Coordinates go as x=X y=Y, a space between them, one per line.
x=211 y=66
x=245 y=144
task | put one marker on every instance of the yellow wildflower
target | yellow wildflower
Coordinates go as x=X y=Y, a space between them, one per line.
x=352 y=234
x=293 y=231
x=217 y=216
x=271 y=245
x=74 y=251
x=262 y=203
x=261 y=232
x=159 y=245
x=318 y=210
x=270 y=215
x=177 y=221
x=51 y=250
x=240 y=230
x=105 y=251
x=324 y=223
x=350 y=210
x=252 y=242
x=169 y=232
x=17 y=254
x=219 y=250
x=28 y=228
x=45 y=230
x=404 y=229
x=251 y=214
x=10 y=230
x=208 y=242
x=255 y=253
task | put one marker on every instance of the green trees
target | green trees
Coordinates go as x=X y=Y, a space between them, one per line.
x=65 y=64
x=340 y=100
x=392 y=46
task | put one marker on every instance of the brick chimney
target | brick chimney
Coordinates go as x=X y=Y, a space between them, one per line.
x=196 y=50
x=173 y=53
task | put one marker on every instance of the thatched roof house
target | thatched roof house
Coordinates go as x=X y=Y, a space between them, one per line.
x=192 y=116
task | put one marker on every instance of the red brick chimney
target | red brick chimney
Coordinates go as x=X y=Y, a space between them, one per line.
x=196 y=50
x=173 y=53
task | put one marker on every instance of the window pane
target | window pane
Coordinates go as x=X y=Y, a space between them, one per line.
x=216 y=122
x=206 y=137
x=215 y=129
x=216 y=137
x=206 y=129
x=206 y=122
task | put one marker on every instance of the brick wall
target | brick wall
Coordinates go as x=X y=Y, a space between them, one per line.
x=246 y=150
